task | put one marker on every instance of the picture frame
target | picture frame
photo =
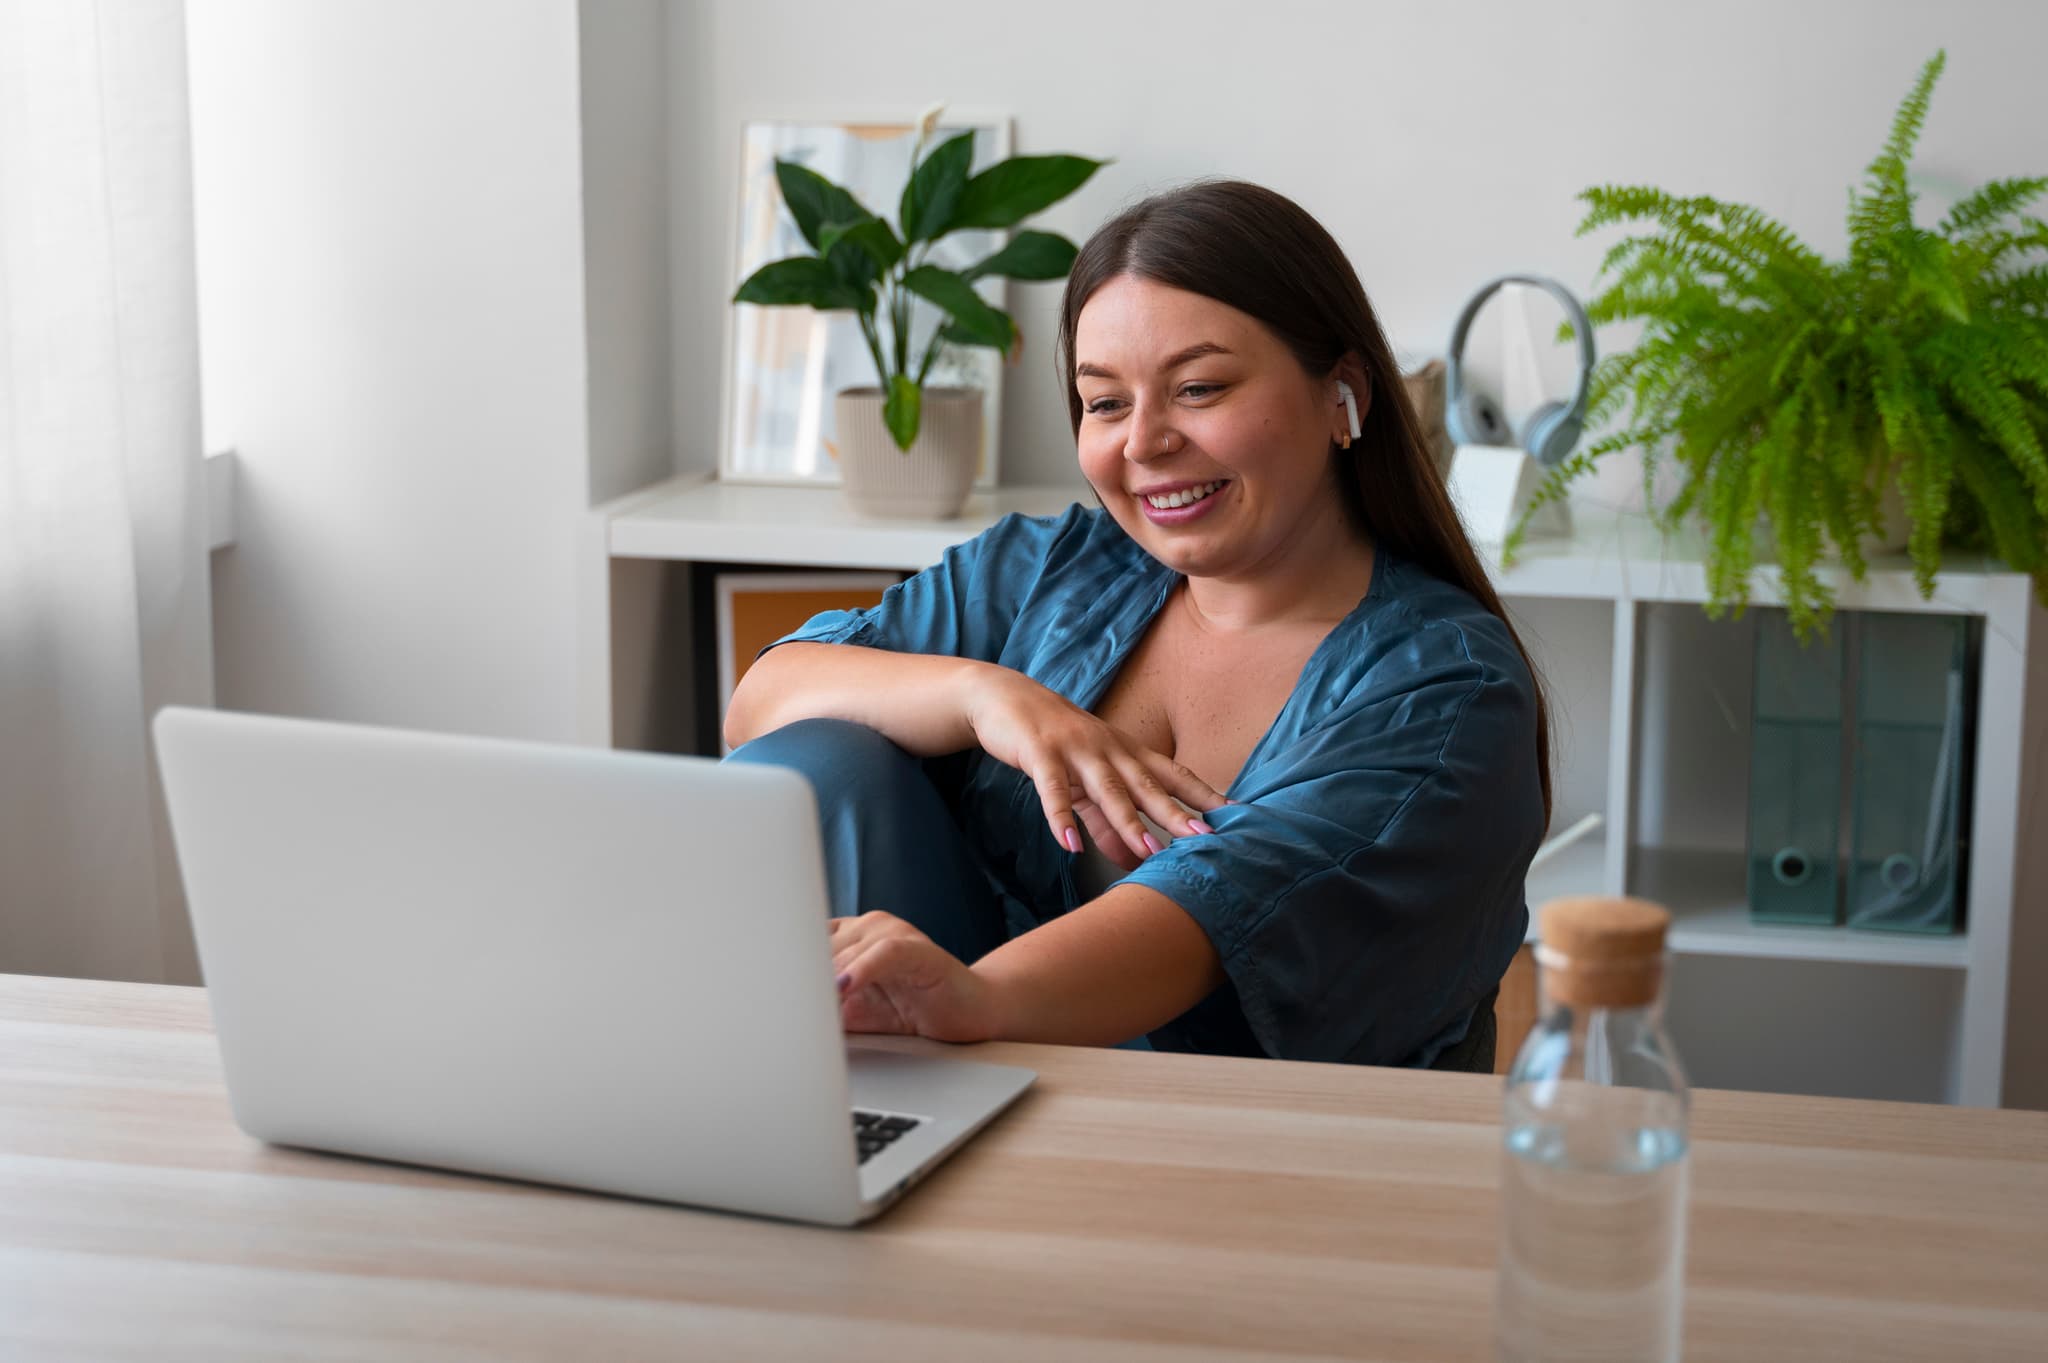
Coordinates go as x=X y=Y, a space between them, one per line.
x=754 y=609
x=783 y=366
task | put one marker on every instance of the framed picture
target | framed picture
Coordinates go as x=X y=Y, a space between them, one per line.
x=784 y=365
x=756 y=609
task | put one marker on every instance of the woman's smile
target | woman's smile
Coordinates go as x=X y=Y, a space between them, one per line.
x=1179 y=503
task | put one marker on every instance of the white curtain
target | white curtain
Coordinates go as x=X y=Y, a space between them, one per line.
x=104 y=610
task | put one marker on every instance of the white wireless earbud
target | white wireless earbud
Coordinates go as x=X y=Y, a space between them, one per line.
x=1350 y=407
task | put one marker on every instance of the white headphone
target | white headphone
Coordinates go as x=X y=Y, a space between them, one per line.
x=1350 y=407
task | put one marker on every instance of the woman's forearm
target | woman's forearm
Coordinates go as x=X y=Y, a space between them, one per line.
x=917 y=701
x=1111 y=970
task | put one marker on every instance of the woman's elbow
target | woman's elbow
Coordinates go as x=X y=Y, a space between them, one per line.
x=735 y=731
x=745 y=717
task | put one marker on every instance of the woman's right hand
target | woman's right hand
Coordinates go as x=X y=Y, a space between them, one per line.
x=1080 y=764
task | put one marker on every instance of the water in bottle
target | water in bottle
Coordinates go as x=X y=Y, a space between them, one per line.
x=1593 y=1193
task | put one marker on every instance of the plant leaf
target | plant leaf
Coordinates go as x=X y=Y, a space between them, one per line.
x=873 y=236
x=934 y=190
x=801 y=281
x=1992 y=201
x=1010 y=191
x=1886 y=205
x=815 y=201
x=902 y=410
x=974 y=321
x=1030 y=255
x=1925 y=261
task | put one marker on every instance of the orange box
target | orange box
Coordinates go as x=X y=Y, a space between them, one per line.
x=756 y=609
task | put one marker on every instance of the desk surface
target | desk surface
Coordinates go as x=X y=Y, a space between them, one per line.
x=1133 y=1206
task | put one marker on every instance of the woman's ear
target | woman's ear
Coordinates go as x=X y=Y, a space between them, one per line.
x=1352 y=391
x=1353 y=371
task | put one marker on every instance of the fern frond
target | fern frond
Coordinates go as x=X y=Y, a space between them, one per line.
x=1995 y=486
x=1925 y=268
x=1832 y=450
x=1887 y=203
x=2021 y=348
x=2023 y=291
x=1973 y=380
x=1726 y=485
x=1772 y=480
x=1766 y=239
x=1794 y=352
x=1756 y=255
x=1990 y=202
x=1912 y=115
x=1890 y=386
x=1610 y=204
x=1643 y=293
x=1609 y=387
x=1994 y=245
x=1665 y=255
x=1927 y=506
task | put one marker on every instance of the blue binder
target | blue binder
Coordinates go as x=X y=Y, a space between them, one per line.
x=1795 y=775
x=1911 y=754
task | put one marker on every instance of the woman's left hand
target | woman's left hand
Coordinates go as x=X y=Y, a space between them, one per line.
x=893 y=978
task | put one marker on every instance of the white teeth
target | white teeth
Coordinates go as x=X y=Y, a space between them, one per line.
x=1184 y=497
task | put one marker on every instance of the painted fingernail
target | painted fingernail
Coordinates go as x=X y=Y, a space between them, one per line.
x=1072 y=838
x=845 y=978
x=1152 y=844
x=1197 y=826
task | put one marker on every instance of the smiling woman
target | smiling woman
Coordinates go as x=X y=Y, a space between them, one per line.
x=1248 y=760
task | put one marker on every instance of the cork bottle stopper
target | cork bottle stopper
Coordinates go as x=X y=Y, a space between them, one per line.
x=1602 y=952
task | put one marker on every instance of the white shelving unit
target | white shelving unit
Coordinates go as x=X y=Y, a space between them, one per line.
x=1710 y=917
x=1600 y=611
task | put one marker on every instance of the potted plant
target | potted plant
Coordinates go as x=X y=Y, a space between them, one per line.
x=1895 y=398
x=906 y=449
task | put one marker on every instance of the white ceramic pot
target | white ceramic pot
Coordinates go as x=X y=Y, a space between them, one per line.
x=929 y=481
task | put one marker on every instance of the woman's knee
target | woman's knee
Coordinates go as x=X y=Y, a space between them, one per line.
x=889 y=836
x=842 y=760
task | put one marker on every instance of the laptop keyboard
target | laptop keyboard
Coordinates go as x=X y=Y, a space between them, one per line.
x=874 y=1132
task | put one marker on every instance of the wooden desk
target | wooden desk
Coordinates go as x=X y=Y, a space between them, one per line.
x=1133 y=1206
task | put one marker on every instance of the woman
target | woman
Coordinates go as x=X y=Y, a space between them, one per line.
x=1248 y=760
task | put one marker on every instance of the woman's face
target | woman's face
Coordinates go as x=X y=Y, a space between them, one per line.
x=1190 y=402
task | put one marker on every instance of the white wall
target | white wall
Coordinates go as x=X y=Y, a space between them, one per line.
x=433 y=239
x=624 y=68
x=1441 y=143
x=391 y=282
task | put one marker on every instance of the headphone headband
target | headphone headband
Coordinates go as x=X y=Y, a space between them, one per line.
x=1582 y=328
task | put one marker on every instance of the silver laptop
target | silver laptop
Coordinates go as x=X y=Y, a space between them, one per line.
x=602 y=969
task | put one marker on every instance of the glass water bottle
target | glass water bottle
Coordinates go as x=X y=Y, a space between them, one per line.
x=1593 y=1190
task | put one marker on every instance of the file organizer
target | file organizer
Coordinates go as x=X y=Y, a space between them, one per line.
x=1795 y=775
x=1912 y=744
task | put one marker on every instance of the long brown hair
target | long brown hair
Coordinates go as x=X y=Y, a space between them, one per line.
x=1261 y=253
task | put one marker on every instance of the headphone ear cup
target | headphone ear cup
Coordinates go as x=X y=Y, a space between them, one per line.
x=1476 y=420
x=1549 y=433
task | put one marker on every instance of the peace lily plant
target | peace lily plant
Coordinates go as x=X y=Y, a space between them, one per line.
x=865 y=265
x=1796 y=392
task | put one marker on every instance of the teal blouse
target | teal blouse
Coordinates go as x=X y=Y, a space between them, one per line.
x=1366 y=895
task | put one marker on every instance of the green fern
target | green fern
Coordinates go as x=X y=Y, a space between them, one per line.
x=1793 y=391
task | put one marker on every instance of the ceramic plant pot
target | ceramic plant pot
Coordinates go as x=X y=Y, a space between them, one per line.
x=929 y=481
